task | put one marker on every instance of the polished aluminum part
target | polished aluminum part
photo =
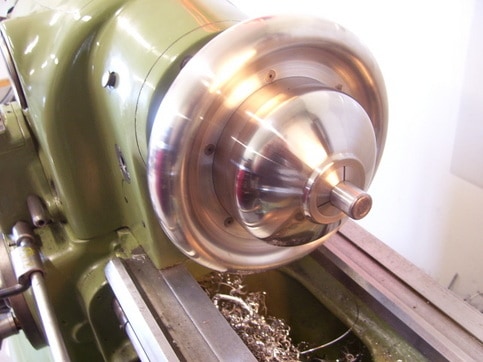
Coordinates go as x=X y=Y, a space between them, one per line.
x=350 y=199
x=282 y=153
x=168 y=316
x=268 y=138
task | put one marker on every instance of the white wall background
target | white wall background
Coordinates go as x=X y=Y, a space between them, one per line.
x=429 y=53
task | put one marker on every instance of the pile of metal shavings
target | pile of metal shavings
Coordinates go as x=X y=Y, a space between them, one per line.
x=267 y=337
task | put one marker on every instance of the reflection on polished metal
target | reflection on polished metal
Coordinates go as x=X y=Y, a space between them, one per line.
x=267 y=139
x=272 y=157
x=293 y=110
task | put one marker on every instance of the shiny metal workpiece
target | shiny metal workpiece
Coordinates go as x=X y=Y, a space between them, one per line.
x=267 y=139
x=351 y=200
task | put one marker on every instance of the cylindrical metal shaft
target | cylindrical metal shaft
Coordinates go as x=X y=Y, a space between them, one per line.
x=350 y=199
x=37 y=211
x=49 y=322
